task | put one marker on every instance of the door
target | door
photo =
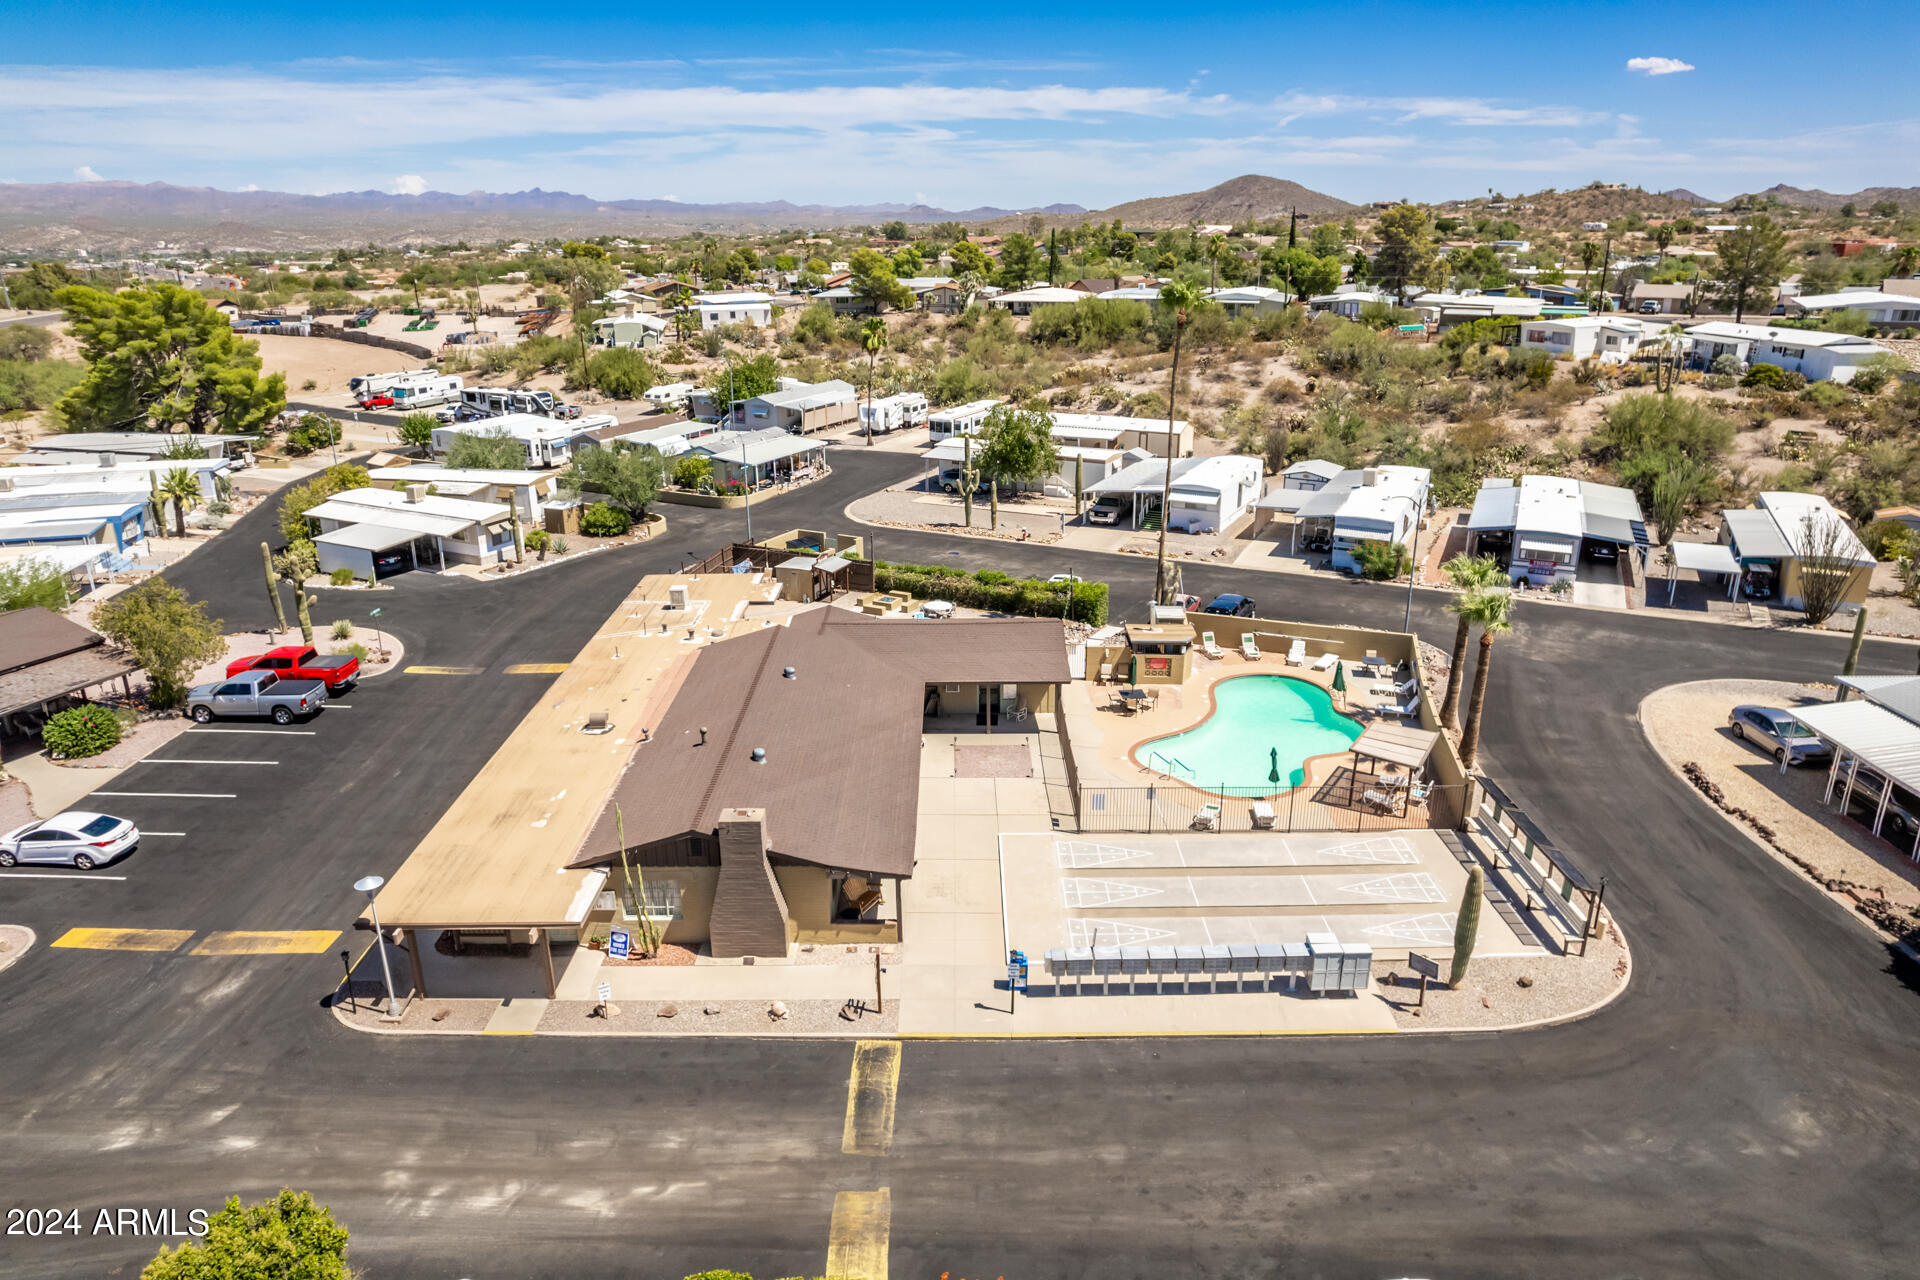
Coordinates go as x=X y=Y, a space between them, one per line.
x=232 y=699
x=988 y=711
x=47 y=846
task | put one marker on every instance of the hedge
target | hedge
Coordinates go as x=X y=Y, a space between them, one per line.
x=994 y=591
x=79 y=732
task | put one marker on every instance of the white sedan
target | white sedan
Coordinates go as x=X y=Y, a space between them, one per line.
x=73 y=839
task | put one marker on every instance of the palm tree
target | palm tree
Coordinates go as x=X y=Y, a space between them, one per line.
x=682 y=299
x=1493 y=611
x=1589 y=258
x=182 y=488
x=1182 y=298
x=1472 y=574
x=1663 y=236
x=873 y=338
x=1216 y=246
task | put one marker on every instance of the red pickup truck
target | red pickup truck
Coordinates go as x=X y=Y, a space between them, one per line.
x=340 y=671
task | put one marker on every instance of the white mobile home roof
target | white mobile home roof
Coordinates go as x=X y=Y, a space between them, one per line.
x=1852 y=298
x=811 y=395
x=1080 y=422
x=434 y=473
x=1793 y=512
x=1756 y=535
x=367 y=537
x=1314 y=467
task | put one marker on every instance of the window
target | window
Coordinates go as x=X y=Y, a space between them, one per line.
x=663 y=900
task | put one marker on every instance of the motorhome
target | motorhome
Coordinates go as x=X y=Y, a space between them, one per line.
x=374 y=383
x=492 y=402
x=425 y=392
x=894 y=413
x=548 y=443
x=962 y=419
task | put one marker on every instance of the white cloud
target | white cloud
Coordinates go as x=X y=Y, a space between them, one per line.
x=1658 y=66
x=409 y=184
x=251 y=186
x=1477 y=112
x=85 y=173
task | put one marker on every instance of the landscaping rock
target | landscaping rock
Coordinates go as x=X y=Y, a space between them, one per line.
x=669 y=1011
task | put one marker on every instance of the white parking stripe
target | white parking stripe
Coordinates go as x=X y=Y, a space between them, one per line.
x=301 y=733
x=179 y=795
x=55 y=875
x=163 y=833
x=176 y=760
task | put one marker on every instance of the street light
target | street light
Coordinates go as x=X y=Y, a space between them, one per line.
x=1419 y=502
x=369 y=885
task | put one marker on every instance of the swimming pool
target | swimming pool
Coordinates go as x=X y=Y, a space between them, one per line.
x=1253 y=716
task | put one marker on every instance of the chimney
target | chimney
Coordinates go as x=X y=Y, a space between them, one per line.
x=416 y=493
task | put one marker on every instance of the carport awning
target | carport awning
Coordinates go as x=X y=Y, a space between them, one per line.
x=1546 y=548
x=367 y=537
x=1880 y=738
x=1495 y=507
x=31 y=686
x=1705 y=557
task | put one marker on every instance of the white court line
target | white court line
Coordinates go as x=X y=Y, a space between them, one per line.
x=173 y=795
x=1179 y=853
x=1208 y=930
x=299 y=733
x=1307 y=888
x=55 y=875
x=176 y=760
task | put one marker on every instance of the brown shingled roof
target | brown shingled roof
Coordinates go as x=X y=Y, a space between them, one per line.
x=841 y=778
x=35 y=635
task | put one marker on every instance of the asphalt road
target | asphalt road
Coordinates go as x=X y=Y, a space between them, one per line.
x=1746 y=1108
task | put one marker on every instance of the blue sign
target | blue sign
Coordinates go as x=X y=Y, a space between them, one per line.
x=1017 y=970
x=617 y=944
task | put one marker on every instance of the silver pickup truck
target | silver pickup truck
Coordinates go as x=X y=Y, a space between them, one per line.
x=256 y=693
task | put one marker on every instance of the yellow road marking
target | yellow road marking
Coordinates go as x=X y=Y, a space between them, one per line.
x=123 y=939
x=857 y=1240
x=442 y=671
x=536 y=668
x=872 y=1088
x=292 y=942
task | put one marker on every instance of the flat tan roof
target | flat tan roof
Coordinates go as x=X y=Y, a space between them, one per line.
x=498 y=857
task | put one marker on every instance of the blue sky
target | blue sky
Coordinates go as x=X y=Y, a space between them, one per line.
x=957 y=106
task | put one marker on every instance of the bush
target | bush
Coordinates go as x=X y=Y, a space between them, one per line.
x=620 y=372
x=1727 y=365
x=342 y=577
x=309 y=385
x=313 y=431
x=537 y=539
x=79 y=732
x=1382 y=561
x=1766 y=375
x=25 y=583
x=560 y=546
x=692 y=470
x=994 y=591
x=1879 y=533
x=602 y=521
x=342 y=628
x=357 y=650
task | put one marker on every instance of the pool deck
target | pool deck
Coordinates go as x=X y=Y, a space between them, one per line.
x=1104 y=740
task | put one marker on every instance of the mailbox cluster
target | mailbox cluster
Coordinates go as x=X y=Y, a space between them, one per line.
x=1322 y=963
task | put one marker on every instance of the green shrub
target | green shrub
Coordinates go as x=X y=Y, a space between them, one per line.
x=994 y=591
x=1766 y=375
x=79 y=732
x=1727 y=365
x=25 y=583
x=1879 y=533
x=603 y=521
x=559 y=546
x=342 y=627
x=357 y=649
x=537 y=539
x=620 y=372
x=313 y=431
x=341 y=577
x=692 y=470
x=1382 y=561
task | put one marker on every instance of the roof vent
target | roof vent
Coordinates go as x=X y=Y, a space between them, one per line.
x=788 y=673
x=1370 y=476
x=759 y=755
x=677 y=596
x=416 y=493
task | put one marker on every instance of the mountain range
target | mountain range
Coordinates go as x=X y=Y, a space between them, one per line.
x=128 y=215
x=1810 y=197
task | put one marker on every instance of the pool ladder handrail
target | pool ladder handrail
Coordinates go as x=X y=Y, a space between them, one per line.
x=1171 y=760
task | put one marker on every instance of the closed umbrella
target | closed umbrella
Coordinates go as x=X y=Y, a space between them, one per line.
x=1273 y=772
x=1340 y=677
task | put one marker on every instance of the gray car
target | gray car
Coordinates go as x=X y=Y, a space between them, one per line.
x=1778 y=734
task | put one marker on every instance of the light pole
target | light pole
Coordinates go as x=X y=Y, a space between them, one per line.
x=370 y=885
x=1413 y=570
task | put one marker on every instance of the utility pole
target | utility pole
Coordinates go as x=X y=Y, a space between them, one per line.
x=1606 y=260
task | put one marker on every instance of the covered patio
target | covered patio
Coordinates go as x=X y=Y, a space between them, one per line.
x=1396 y=745
x=1703 y=558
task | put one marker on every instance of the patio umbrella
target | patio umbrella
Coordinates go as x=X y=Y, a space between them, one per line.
x=1340 y=677
x=1273 y=772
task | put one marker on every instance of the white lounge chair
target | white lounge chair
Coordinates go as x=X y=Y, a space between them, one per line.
x=1249 y=647
x=1325 y=662
x=1207 y=818
x=1378 y=800
x=1402 y=690
x=1210 y=647
x=1409 y=710
x=1297 y=654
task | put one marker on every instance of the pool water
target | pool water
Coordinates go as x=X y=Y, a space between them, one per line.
x=1252 y=716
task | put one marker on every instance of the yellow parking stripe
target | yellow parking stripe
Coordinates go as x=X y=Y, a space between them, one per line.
x=123 y=939
x=292 y=942
x=536 y=668
x=872 y=1088
x=857 y=1240
x=442 y=671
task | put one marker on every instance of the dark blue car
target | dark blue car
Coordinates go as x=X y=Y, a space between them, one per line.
x=1233 y=606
